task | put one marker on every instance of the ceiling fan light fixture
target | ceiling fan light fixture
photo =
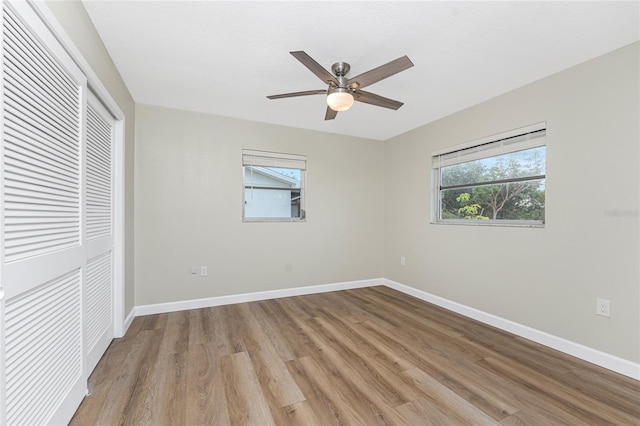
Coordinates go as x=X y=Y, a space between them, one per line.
x=340 y=99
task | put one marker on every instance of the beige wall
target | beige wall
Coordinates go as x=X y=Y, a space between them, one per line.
x=548 y=278
x=189 y=209
x=77 y=24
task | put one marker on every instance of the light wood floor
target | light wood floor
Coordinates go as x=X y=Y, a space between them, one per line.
x=362 y=357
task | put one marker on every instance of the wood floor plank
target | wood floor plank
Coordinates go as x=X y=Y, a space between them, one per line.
x=206 y=402
x=269 y=367
x=611 y=389
x=290 y=308
x=358 y=357
x=354 y=310
x=178 y=319
x=361 y=343
x=246 y=401
x=169 y=405
x=540 y=415
x=101 y=382
x=154 y=322
x=489 y=392
x=347 y=378
x=116 y=408
x=458 y=409
x=327 y=402
x=301 y=414
x=175 y=339
x=363 y=372
x=419 y=328
x=585 y=407
x=482 y=388
x=389 y=348
x=215 y=329
x=268 y=322
x=332 y=352
x=304 y=307
x=401 y=316
x=374 y=364
x=526 y=353
x=235 y=328
x=144 y=396
x=421 y=412
x=358 y=407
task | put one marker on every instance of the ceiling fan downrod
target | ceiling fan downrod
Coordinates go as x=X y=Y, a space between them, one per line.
x=340 y=70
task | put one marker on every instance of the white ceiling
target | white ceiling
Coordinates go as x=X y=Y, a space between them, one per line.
x=225 y=57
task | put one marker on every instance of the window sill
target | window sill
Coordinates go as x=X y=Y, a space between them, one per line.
x=492 y=223
x=271 y=219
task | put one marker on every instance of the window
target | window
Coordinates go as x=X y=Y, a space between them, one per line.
x=273 y=186
x=494 y=181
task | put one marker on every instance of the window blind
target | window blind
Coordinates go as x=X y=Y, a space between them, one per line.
x=500 y=145
x=273 y=159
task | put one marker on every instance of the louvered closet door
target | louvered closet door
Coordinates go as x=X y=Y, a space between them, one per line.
x=98 y=231
x=43 y=261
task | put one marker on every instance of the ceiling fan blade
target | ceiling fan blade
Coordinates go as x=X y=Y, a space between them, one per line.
x=294 y=94
x=314 y=67
x=330 y=114
x=373 y=99
x=380 y=73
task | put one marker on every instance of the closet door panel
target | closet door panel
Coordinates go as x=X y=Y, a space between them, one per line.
x=99 y=230
x=42 y=255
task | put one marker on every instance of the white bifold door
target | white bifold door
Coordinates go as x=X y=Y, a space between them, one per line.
x=56 y=271
x=98 y=235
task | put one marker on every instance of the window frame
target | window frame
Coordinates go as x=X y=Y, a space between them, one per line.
x=533 y=136
x=279 y=160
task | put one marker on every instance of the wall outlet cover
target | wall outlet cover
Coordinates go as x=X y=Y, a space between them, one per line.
x=603 y=307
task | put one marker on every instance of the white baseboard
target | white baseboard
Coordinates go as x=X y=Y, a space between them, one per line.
x=594 y=356
x=182 y=305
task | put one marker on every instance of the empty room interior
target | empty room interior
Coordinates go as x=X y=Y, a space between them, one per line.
x=312 y=213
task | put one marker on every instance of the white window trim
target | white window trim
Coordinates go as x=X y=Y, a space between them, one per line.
x=275 y=159
x=437 y=163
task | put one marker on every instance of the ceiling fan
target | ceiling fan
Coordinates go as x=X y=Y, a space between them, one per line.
x=343 y=91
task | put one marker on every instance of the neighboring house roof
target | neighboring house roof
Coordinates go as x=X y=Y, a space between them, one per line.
x=279 y=177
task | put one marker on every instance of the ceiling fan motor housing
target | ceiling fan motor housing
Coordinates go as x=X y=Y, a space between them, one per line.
x=340 y=69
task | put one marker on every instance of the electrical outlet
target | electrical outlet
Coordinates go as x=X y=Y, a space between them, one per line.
x=403 y=261
x=603 y=307
x=203 y=271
